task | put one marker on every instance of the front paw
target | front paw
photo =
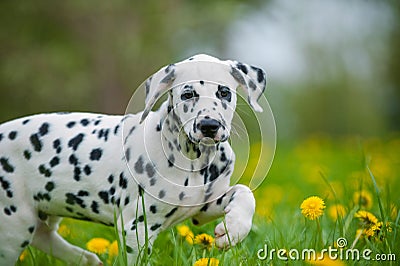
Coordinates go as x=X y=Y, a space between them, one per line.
x=231 y=231
x=90 y=259
x=237 y=223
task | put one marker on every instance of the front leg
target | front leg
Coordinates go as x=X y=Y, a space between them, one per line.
x=238 y=205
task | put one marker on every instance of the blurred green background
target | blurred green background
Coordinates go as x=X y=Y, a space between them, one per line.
x=333 y=67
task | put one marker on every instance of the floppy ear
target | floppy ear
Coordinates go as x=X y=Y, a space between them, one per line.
x=252 y=79
x=156 y=85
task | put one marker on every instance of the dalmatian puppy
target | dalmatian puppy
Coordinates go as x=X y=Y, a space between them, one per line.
x=154 y=168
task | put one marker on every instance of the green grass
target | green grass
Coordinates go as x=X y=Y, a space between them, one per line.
x=334 y=170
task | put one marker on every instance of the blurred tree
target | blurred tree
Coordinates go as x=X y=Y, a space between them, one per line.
x=91 y=55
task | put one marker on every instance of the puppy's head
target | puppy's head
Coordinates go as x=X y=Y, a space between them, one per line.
x=202 y=93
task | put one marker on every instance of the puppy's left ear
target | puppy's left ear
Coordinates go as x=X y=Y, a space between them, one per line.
x=156 y=86
x=252 y=79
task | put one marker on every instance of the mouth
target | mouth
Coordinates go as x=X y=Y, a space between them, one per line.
x=207 y=140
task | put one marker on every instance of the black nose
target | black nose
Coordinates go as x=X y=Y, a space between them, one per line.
x=209 y=127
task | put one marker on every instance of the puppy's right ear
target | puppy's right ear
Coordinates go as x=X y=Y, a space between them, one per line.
x=156 y=86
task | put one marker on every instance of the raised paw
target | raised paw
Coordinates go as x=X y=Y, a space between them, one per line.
x=238 y=219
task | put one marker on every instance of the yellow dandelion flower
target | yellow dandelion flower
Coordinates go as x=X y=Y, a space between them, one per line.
x=113 y=249
x=363 y=198
x=206 y=262
x=64 y=230
x=372 y=230
x=367 y=218
x=98 y=245
x=185 y=232
x=205 y=240
x=335 y=211
x=24 y=255
x=312 y=207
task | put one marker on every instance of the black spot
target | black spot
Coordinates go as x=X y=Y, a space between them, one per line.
x=84 y=122
x=195 y=222
x=129 y=249
x=204 y=208
x=49 y=186
x=141 y=218
x=123 y=182
x=31 y=229
x=69 y=209
x=128 y=154
x=24 y=244
x=153 y=209
x=55 y=161
x=185 y=108
x=72 y=200
x=36 y=143
x=158 y=127
x=186 y=182
x=161 y=194
x=104 y=196
x=44 y=129
x=27 y=154
x=260 y=74
x=95 y=154
x=7 y=211
x=25 y=121
x=152 y=181
x=112 y=190
x=75 y=141
x=83 y=193
x=219 y=201
x=87 y=170
x=77 y=173
x=134 y=225
x=44 y=171
x=214 y=172
x=139 y=165
x=201 y=82
x=130 y=133
x=13 y=208
x=103 y=133
x=110 y=179
x=116 y=129
x=42 y=216
x=223 y=157
x=95 y=207
x=171 y=160
x=12 y=135
x=97 y=122
x=155 y=227
x=242 y=67
x=73 y=160
x=57 y=145
x=126 y=202
x=150 y=170
x=181 y=195
x=171 y=212
x=7 y=167
x=46 y=196
x=1 y=136
x=71 y=124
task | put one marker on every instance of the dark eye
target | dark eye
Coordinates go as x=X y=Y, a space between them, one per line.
x=187 y=95
x=224 y=93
